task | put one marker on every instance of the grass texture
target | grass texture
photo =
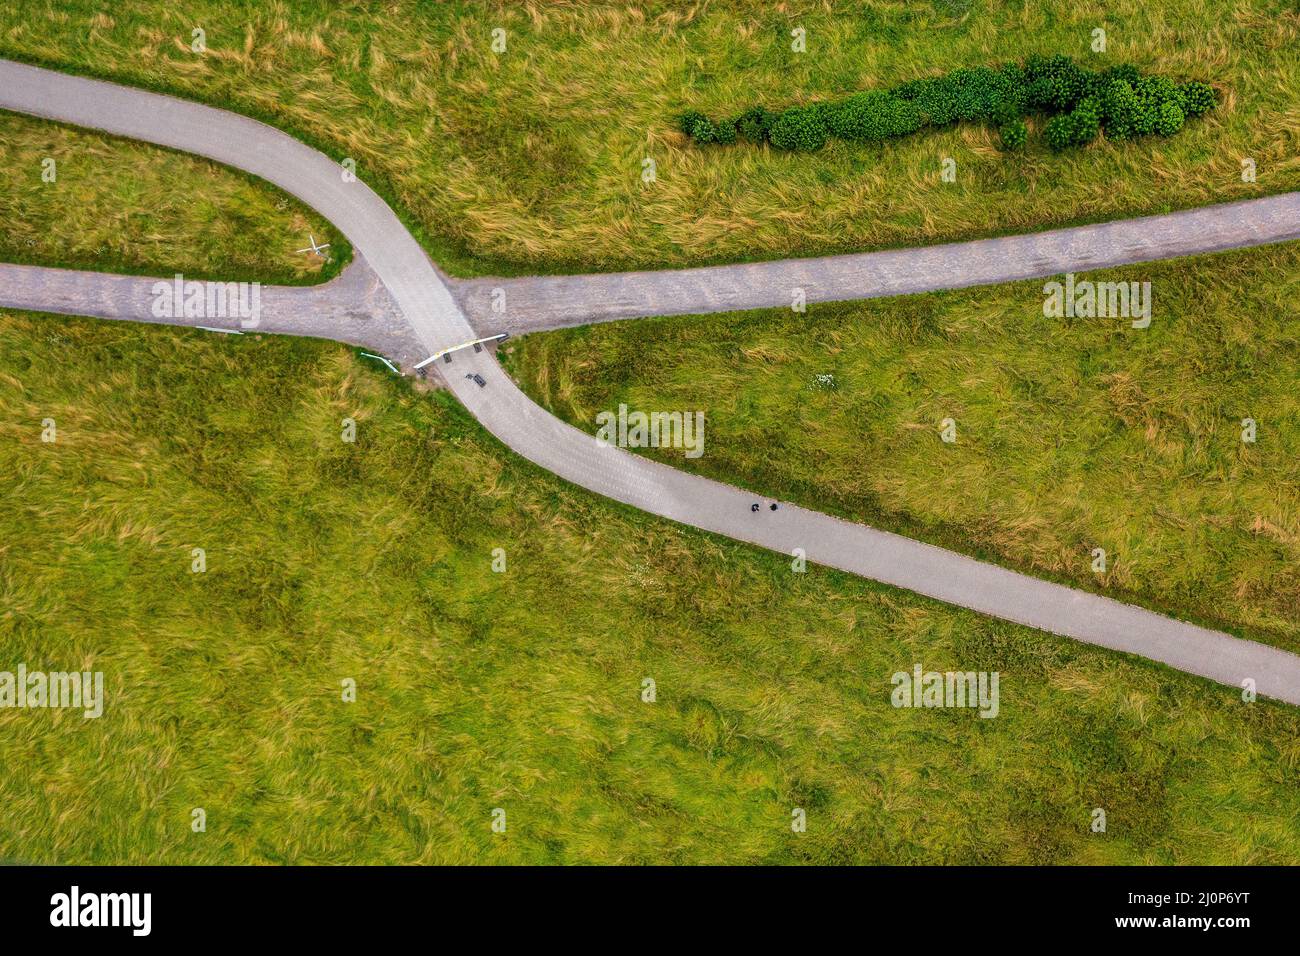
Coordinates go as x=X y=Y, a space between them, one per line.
x=122 y=206
x=517 y=690
x=1071 y=433
x=531 y=159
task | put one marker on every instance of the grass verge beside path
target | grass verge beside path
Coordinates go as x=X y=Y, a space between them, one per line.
x=530 y=160
x=120 y=206
x=1072 y=434
x=522 y=690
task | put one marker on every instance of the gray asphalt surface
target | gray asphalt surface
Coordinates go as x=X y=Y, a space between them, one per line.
x=437 y=322
x=354 y=307
x=538 y=303
x=533 y=303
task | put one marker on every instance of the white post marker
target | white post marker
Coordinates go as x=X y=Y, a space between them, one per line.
x=384 y=360
x=314 y=249
x=456 y=348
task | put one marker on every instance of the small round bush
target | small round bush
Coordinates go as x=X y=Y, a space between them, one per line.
x=1067 y=89
x=1075 y=128
x=1198 y=98
x=1056 y=83
x=1008 y=106
x=753 y=124
x=975 y=92
x=850 y=118
x=1144 y=120
x=1057 y=132
x=911 y=89
x=698 y=127
x=1086 y=121
x=1015 y=78
x=1089 y=110
x=704 y=132
x=724 y=133
x=1170 y=119
x=1036 y=66
x=799 y=128
x=686 y=122
x=1125 y=72
x=1094 y=83
x=1014 y=134
x=1119 y=109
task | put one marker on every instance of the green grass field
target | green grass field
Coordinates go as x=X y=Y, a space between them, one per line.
x=120 y=206
x=476 y=690
x=531 y=159
x=519 y=690
x=1072 y=434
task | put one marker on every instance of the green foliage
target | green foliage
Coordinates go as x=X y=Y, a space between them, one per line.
x=1076 y=128
x=686 y=121
x=1198 y=98
x=1011 y=99
x=899 y=352
x=1059 y=133
x=800 y=128
x=871 y=117
x=1170 y=119
x=1126 y=72
x=248 y=657
x=1056 y=84
x=936 y=101
x=1144 y=121
x=1080 y=103
x=976 y=92
x=1159 y=90
x=1014 y=134
x=698 y=127
x=754 y=123
x=1015 y=79
x=1120 y=109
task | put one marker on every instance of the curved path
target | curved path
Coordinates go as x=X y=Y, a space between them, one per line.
x=437 y=322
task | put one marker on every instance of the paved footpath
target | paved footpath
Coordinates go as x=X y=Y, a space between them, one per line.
x=436 y=321
x=534 y=303
x=353 y=307
x=538 y=303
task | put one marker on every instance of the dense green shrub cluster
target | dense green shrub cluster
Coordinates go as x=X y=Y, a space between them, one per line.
x=800 y=128
x=1079 y=102
x=869 y=117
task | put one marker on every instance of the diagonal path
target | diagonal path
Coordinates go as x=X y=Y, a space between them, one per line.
x=437 y=322
x=534 y=303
